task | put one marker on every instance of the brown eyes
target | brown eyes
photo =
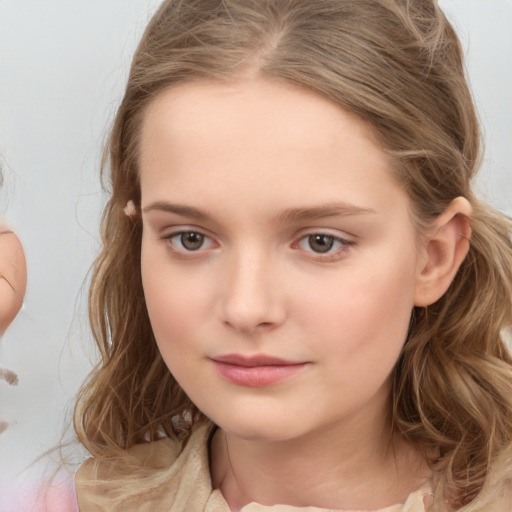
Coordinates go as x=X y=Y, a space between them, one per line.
x=191 y=241
x=323 y=244
x=315 y=243
x=320 y=243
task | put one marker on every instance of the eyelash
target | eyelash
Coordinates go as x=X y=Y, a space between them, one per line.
x=341 y=245
x=337 y=249
x=178 y=235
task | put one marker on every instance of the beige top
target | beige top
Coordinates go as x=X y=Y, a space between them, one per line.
x=178 y=481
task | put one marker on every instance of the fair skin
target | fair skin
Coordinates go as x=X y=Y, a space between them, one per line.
x=280 y=268
x=13 y=276
x=13 y=282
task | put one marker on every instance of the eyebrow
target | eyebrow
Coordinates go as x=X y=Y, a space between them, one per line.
x=285 y=216
x=323 y=211
x=178 y=209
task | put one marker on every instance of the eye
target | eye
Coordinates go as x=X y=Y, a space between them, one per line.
x=322 y=243
x=189 y=241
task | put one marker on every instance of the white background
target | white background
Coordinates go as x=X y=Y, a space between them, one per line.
x=63 y=65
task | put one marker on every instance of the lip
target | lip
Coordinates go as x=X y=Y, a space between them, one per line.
x=255 y=371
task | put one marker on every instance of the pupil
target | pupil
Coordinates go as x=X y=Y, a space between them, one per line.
x=192 y=241
x=321 y=243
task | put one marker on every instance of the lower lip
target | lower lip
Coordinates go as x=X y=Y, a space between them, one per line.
x=257 y=376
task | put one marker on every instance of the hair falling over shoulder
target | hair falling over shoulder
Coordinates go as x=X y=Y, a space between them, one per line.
x=397 y=65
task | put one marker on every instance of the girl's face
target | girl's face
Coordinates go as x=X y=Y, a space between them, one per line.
x=279 y=261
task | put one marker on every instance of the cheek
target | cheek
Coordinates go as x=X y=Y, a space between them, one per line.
x=173 y=302
x=173 y=313
x=365 y=311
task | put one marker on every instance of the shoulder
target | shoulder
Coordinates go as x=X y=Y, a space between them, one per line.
x=145 y=456
x=496 y=494
x=148 y=477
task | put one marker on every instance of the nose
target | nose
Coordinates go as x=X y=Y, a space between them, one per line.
x=252 y=298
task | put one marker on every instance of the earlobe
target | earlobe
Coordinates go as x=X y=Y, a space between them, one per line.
x=130 y=210
x=445 y=249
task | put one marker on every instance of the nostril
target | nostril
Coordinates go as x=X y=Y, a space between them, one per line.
x=250 y=300
x=249 y=327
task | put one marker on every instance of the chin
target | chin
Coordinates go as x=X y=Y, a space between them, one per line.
x=258 y=427
x=255 y=433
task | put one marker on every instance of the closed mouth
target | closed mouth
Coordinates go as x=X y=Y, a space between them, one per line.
x=256 y=371
x=254 y=360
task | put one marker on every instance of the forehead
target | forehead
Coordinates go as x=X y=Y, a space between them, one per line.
x=260 y=138
x=252 y=104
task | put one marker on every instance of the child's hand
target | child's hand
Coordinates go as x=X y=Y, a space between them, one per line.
x=13 y=276
x=13 y=282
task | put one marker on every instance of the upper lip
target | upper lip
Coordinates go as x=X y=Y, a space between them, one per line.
x=254 y=360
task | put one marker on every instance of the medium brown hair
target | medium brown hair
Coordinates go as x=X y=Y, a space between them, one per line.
x=398 y=65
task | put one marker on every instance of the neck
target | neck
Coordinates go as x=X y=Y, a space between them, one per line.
x=352 y=465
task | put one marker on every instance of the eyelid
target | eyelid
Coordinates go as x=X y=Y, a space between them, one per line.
x=346 y=241
x=176 y=229
x=169 y=233
x=335 y=233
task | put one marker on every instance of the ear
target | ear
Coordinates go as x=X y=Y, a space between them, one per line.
x=445 y=248
x=130 y=210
